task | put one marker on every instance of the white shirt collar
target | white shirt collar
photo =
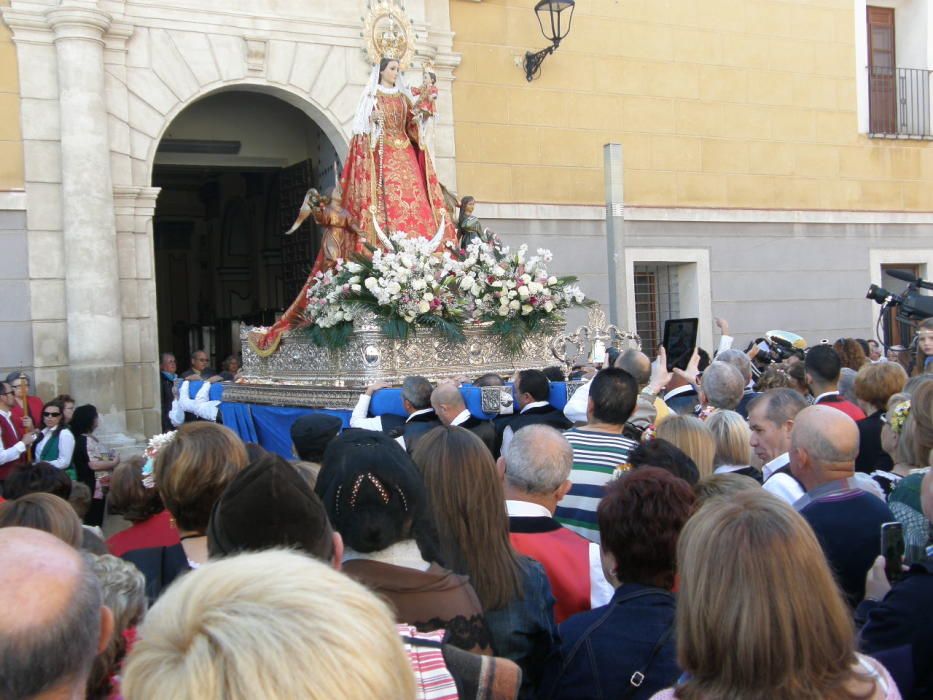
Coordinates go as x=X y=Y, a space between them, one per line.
x=824 y=395
x=678 y=391
x=729 y=468
x=419 y=412
x=534 y=404
x=462 y=417
x=778 y=462
x=524 y=509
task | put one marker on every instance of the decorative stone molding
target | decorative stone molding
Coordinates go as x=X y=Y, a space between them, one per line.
x=256 y=55
x=79 y=23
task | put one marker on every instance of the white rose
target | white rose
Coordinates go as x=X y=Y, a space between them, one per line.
x=526 y=278
x=393 y=288
x=512 y=294
x=503 y=310
x=428 y=296
x=548 y=306
x=527 y=309
x=476 y=290
x=467 y=282
x=418 y=284
x=356 y=287
x=523 y=291
x=424 y=307
x=515 y=305
x=552 y=280
x=354 y=267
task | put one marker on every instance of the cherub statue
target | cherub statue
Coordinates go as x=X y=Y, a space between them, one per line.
x=426 y=107
x=341 y=238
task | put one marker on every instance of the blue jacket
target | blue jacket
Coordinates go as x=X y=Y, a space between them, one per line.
x=602 y=649
x=524 y=630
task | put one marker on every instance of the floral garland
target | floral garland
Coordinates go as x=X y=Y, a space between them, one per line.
x=411 y=284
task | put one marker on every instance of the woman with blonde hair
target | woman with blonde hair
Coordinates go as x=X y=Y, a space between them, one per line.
x=733 y=447
x=692 y=436
x=191 y=472
x=760 y=615
x=275 y=625
x=468 y=507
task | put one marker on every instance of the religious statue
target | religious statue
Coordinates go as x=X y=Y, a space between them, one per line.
x=426 y=108
x=388 y=182
x=471 y=229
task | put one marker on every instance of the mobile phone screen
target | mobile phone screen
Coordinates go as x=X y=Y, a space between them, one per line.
x=892 y=548
x=680 y=337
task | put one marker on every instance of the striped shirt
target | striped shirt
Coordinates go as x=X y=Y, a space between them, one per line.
x=597 y=460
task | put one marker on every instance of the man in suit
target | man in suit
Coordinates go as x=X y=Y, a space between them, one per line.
x=451 y=409
x=823 y=369
x=416 y=400
x=532 y=391
x=167 y=376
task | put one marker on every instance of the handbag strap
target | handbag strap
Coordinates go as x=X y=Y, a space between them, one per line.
x=639 y=676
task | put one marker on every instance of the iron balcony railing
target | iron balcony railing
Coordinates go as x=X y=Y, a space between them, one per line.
x=899 y=102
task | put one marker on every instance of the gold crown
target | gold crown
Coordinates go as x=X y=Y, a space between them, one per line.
x=391 y=42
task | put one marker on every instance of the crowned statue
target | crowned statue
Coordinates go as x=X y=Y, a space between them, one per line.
x=388 y=184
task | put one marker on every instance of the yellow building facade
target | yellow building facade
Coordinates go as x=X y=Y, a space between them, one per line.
x=11 y=142
x=716 y=103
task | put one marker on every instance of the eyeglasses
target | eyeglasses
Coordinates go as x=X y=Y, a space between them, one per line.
x=46 y=414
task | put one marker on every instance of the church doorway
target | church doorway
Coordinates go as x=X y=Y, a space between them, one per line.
x=233 y=168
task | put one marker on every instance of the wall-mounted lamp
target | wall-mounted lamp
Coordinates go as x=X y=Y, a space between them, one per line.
x=554 y=18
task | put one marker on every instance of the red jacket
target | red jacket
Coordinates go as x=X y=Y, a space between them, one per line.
x=10 y=437
x=565 y=557
x=847 y=407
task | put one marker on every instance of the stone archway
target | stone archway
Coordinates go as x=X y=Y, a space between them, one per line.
x=233 y=167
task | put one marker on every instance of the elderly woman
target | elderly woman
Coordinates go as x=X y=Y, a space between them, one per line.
x=759 y=613
x=874 y=386
x=375 y=498
x=733 y=449
x=191 y=472
x=602 y=650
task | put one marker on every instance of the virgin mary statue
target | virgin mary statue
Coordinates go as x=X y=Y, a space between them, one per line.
x=388 y=185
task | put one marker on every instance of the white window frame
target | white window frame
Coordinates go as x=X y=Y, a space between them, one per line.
x=695 y=290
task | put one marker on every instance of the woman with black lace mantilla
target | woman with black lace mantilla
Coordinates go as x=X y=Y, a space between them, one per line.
x=375 y=498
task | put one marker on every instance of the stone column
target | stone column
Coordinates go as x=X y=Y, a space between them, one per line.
x=615 y=236
x=92 y=283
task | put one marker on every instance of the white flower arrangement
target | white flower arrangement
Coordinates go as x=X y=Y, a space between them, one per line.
x=411 y=283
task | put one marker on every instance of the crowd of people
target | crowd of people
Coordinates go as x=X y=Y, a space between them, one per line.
x=708 y=532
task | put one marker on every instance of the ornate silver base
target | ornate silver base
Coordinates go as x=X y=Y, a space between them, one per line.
x=301 y=373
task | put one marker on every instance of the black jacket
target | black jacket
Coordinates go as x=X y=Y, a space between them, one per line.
x=539 y=415
x=870 y=454
x=904 y=617
x=483 y=430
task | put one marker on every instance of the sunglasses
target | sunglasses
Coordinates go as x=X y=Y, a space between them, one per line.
x=46 y=414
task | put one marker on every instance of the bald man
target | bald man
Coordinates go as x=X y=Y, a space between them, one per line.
x=52 y=621
x=846 y=519
x=448 y=404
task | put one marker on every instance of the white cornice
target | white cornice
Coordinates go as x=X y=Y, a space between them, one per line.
x=79 y=23
x=12 y=200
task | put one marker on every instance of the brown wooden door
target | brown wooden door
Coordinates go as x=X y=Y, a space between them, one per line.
x=882 y=68
x=299 y=249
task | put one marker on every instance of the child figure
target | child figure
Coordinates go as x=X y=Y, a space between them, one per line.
x=426 y=107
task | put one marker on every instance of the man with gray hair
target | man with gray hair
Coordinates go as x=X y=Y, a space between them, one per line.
x=721 y=388
x=847 y=520
x=771 y=419
x=416 y=400
x=743 y=363
x=52 y=621
x=535 y=467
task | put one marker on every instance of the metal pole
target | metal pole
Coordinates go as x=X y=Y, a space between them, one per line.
x=615 y=235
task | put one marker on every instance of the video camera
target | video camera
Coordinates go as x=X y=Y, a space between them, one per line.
x=911 y=305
